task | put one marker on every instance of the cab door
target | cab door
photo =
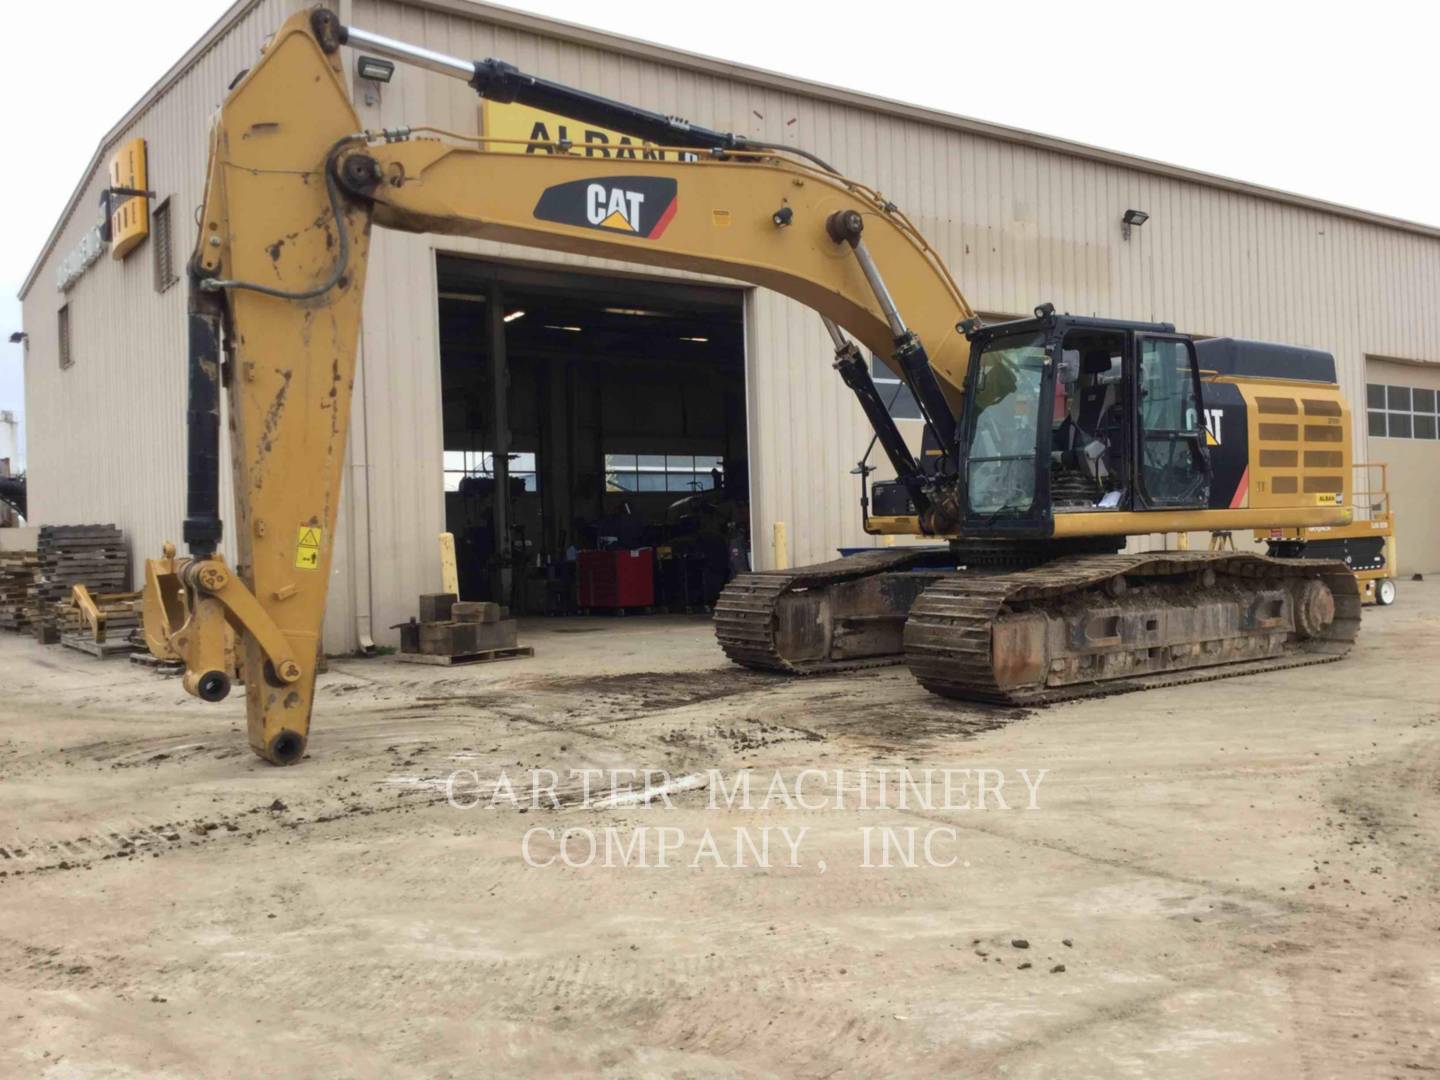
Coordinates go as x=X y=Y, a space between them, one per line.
x=1005 y=436
x=1172 y=465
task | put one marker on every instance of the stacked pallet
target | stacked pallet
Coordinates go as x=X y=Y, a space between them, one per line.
x=450 y=631
x=89 y=555
x=19 y=577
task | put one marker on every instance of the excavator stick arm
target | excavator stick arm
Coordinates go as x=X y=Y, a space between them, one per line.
x=276 y=281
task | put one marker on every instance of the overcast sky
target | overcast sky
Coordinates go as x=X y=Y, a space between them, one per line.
x=1326 y=100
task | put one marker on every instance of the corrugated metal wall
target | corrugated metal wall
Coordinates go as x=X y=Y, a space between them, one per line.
x=106 y=437
x=1018 y=224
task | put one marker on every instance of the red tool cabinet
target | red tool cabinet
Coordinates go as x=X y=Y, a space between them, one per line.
x=617 y=579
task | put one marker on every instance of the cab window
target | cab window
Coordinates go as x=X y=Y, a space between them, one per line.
x=1003 y=438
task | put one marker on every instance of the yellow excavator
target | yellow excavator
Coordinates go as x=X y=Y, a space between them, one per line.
x=1048 y=441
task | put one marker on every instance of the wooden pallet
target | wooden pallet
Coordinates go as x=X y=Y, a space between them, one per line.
x=467 y=658
x=91 y=555
x=102 y=649
x=19 y=584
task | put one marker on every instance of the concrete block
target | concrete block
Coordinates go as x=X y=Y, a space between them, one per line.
x=435 y=638
x=435 y=607
x=465 y=638
x=500 y=634
x=410 y=637
x=462 y=638
x=475 y=611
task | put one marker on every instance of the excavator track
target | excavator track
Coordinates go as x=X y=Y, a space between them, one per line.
x=1094 y=625
x=834 y=616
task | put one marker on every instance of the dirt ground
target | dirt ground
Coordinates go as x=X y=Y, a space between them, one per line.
x=1235 y=878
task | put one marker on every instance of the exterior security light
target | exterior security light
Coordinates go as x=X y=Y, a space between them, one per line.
x=18 y=337
x=514 y=315
x=1132 y=217
x=374 y=69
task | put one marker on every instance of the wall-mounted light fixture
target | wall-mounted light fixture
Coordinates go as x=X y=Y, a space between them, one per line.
x=1132 y=217
x=373 y=73
x=19 y=337
x=374 y=69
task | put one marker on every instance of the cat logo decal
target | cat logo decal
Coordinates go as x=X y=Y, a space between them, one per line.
x=640 y=206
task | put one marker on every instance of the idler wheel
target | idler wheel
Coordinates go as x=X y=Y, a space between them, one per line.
x=1314 y=608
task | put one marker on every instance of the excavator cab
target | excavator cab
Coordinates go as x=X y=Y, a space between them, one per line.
x=1067 y=415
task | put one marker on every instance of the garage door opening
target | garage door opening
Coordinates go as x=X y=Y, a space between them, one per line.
x=596 y=454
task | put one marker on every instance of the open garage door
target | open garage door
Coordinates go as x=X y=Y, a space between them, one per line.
x=596 y=453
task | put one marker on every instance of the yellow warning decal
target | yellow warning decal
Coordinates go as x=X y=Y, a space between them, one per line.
x=307 y=549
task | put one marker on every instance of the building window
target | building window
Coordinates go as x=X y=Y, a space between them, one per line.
x=462 y=464
x=66 y=356
x=164 y=247
x=1402 y=412
x=682 y=474
x=896 y=395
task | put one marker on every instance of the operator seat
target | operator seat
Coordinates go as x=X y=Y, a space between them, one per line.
x=1096 y=398
x=1098 y=416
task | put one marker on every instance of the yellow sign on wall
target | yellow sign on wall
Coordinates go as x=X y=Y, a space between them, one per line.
x=130 y=218
x=522 y=123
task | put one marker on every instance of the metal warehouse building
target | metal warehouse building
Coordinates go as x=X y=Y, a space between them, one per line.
x=630 y=390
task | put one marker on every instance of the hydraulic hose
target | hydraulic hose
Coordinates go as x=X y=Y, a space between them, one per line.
x=342 y=256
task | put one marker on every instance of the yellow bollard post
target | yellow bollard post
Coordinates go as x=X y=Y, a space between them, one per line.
x=781 y=547
x=449 y=573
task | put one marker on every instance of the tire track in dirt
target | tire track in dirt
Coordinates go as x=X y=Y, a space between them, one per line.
x=702 y=1005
